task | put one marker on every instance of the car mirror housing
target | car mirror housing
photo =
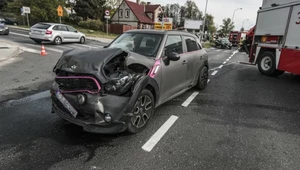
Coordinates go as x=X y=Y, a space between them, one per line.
x=173 y=56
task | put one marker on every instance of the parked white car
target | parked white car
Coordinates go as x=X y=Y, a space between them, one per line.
x=55 y=33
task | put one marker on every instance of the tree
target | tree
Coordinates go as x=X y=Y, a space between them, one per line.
x=192 y=11
x=226 y=27
x=92 y=9
x=210 y=24
x=113 y=4
x=242 y=29
x=173 y=11
x=40 y=10
x=3 y=4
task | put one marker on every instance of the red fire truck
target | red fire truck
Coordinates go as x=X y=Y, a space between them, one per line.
x=275 y=46
x=233 y=37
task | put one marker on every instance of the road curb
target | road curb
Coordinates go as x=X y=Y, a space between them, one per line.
x=14 y=48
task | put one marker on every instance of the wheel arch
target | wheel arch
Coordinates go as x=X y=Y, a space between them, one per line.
x=263 y=50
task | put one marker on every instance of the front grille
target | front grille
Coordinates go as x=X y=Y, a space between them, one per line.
x=77 y=84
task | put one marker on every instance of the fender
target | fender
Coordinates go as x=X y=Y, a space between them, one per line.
x=139 y=86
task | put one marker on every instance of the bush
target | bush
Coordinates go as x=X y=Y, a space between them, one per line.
x=91 y=24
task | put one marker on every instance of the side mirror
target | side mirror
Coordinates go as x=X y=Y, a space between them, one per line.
x=76 y=31
x=173 y=56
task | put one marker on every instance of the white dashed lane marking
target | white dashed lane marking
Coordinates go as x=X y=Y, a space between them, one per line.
x=155 y=138
x=214 y=73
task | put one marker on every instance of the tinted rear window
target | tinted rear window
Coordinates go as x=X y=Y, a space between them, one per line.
x=41 y=26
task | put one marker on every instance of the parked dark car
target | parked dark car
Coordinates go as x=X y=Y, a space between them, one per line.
x=8 y=21
x=223 y=43
x=4 y=30
x=117 y=88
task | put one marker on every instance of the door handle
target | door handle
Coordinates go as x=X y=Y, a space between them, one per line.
x=184 y=62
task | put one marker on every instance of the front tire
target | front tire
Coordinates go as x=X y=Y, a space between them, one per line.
x=82 y=40
x=142 y=112
x=203 y=78
x=267 y=64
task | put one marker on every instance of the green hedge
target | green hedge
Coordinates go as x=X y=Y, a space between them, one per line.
x=91 y=24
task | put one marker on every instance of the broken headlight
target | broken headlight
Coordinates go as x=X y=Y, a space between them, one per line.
x=119 y=86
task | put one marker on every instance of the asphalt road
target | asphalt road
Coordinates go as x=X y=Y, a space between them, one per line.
x=30 y=72
x=242 y=120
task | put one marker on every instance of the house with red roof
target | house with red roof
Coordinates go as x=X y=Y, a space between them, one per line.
x=137 y=15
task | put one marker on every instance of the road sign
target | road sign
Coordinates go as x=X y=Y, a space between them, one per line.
x=26 y=10
x=60 y=11
x=107 y=12
x=107 y=17
x=158 y=26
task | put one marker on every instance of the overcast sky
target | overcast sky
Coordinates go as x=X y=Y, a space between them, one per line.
x=224 y=9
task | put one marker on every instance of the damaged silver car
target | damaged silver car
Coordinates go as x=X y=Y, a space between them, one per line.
x=117 y=88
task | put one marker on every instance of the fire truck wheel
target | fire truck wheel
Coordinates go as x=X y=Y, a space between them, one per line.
x=267 y=64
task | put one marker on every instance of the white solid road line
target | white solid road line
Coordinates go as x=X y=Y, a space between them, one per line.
x=149 y=145
x=14 y=33
x=30 y=50
x=189 y=99
x=214 y=73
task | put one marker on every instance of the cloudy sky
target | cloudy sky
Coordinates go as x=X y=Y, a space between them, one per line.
x=224 y=9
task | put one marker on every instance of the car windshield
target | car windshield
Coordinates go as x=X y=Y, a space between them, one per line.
x=146 y=44
x=225 y=41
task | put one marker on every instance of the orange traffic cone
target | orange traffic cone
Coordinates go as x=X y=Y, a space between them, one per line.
x=43 y=51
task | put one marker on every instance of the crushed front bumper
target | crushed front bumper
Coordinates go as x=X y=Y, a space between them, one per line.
x=91 y=114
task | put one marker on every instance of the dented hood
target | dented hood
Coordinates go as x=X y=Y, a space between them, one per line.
x=92 y=61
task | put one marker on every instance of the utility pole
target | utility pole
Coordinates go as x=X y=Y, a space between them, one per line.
x=203 y=24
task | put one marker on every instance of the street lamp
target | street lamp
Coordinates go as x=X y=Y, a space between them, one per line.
x=203 y=24
x=234 y=13
x=244 y=21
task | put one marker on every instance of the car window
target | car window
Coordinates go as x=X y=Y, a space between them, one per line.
x=191 y=44
x=71 y=29
x=62 y=28
x=173 y=44
x=41 y=26
x=145 y=40
x=55 y=28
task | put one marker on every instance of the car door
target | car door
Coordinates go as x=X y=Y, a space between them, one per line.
x=73 y=34
x=173 y=72
x=63 y=33
x=194 y=58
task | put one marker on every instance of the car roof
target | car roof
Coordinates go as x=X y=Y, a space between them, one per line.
x=150 y=31
x=50 y=23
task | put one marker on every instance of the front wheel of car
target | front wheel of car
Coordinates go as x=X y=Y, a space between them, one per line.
x=142 y=112
x=203 y=79
x=82 y=40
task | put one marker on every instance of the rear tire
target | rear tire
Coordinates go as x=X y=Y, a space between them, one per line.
x=57 y=41
x=267 y=64
x=202 y=79
x=142 y=112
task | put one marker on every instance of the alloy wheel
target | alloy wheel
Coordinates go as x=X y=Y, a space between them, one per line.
x=142 y=111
